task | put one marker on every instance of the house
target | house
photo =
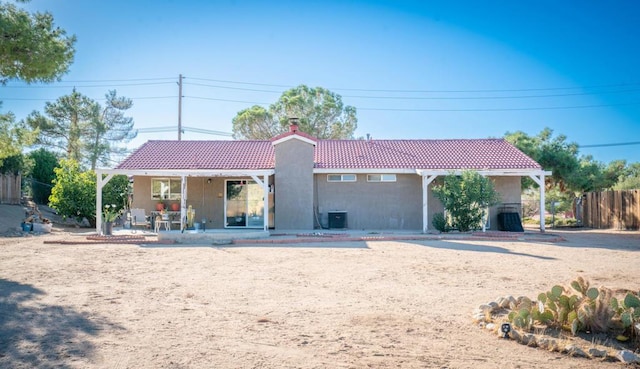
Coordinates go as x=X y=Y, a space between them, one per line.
x=297 y=182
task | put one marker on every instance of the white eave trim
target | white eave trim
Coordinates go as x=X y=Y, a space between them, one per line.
x=189 y=172
x=486 y=172
x=363 y=171
x=431 y=172
x=294 y=136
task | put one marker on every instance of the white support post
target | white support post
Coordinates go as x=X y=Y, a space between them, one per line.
x=183 y=201
x=539 y=179
x=542 y=203
x=265 y=190
x=426 y=180
x=265 y=212
x=99 y=203
x=100 y=182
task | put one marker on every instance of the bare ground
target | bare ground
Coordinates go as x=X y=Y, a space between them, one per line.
x=331 y=305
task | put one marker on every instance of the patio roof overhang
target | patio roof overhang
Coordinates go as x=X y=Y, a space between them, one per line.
x=189 y=172
x=104 y=175
x=485 y=172
x=434 y=172
x=537 y=175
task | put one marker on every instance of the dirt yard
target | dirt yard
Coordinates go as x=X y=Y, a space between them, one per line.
x=331 y=305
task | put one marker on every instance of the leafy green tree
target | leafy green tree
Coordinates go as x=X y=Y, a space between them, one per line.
x=552 y=153
x=83 y=129
x=42 y=174
x=13 y=137
x=32 y=48
x=572 y=175
x=74 y=191
x=65 y=124
x=116 y=192
x=320 y=112
x=592 y=175
x=12 y=164
x=111 y=129
x=630 y=178
x=465 y=198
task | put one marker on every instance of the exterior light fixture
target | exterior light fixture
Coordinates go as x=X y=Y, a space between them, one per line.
x=505 y=328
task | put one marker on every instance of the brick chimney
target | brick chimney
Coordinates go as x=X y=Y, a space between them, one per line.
x=293 y=125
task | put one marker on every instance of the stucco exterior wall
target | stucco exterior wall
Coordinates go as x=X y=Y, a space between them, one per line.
x=207 y=199
x=510 y=191
x=507 y=186
x=434 y=205
x=293 y=185
x=372 y=205
x=298 y=192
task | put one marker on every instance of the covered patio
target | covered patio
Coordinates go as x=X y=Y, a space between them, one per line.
x=428 y=176
x=259 y=176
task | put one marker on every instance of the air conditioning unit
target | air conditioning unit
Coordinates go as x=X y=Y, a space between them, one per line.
x=337 y=219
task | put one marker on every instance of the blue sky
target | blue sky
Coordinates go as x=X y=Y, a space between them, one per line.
x=425 y=69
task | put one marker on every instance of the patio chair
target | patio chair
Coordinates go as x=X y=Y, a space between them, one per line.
x=139 y=218
x=160 y=222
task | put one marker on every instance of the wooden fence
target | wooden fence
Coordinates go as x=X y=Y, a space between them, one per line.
x=611 y=210
x=10 y=189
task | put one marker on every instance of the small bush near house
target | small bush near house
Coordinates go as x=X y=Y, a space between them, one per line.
x=560 y=222
x=466 y=196
x=439 y=222
x=74 y=191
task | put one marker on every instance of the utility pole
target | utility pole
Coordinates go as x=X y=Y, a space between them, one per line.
x=180 y=107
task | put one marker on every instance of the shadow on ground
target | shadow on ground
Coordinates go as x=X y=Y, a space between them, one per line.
x=461 y=246
x=34 y=335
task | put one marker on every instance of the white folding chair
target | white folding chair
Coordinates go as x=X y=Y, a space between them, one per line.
x=139 y=218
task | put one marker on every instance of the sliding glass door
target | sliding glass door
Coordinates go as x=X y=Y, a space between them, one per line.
x=244 y=205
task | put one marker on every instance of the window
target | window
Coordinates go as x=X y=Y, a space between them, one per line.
x=244 y=204
x=341 y=177
x=381 y=177
x=165 y=188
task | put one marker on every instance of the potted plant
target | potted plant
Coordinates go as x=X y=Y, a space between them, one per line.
x=160 y=206
x=175 y=206
x=109 y=215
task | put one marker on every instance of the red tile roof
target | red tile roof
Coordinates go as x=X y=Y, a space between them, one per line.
x=475 y=154
x=201 y=155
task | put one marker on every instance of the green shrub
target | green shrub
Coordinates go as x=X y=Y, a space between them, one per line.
x=466 y=196
x=439 y=222
x=42 y=174
x=74 y=191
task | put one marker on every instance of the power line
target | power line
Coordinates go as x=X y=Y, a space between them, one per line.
x=184 y=128
x=440 y=110
x=233 y=88
x=486 y=97
x=88 y=86
x=428 y=91
x=172 y=79
x=102 y=98
x=117 y=80
x=226 y=100
x=612 y=144
x=429 y=97
x=228 y=134
x=241 y=83
x=501 y=109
